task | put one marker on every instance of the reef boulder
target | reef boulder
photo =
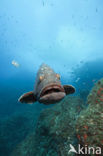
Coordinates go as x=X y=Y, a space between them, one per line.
x=14 y=129
x=55 y=130
x=89 y=126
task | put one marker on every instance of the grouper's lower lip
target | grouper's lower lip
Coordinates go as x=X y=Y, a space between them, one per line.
x=52 y=98
x=52 y=94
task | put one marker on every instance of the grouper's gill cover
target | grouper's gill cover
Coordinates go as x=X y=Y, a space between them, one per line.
x=48 y=88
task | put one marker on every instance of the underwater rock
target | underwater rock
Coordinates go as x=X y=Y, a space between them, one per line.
x=14 y=129
x=55 y=130
x=89 y=127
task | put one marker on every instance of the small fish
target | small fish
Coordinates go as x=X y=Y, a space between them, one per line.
x=96 y=10
x=93 y=80
x=77 y=79
x=15 y=63
x=43 y=3
x=48 y=88
x=81 y=62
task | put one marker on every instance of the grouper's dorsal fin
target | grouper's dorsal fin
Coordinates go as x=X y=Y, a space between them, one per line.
x=28 y=98
x=69 y=89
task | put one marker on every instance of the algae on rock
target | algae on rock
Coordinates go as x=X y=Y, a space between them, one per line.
x=55 y=130
x=89 y=126
x=15 y=128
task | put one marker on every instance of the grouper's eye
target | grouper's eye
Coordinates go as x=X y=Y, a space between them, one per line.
x=58 y=76
x=41 y=78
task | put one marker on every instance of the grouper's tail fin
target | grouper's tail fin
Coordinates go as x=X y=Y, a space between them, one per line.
x=28 y=98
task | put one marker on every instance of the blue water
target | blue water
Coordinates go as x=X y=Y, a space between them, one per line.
x=67 y=35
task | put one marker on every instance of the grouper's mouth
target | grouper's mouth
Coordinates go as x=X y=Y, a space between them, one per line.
x=52 y=94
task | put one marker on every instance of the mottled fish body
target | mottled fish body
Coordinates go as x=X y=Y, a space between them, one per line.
x=48 y=88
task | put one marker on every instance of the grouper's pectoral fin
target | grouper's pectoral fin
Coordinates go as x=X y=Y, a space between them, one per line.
x=69 y=89
x=28 y=97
